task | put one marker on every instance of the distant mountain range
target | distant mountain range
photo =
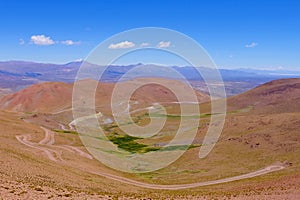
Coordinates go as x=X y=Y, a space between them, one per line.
x=16 y=75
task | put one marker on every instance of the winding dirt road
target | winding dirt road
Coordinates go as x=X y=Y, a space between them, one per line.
x=50 y=153
x=48 y=141
x=46 y=145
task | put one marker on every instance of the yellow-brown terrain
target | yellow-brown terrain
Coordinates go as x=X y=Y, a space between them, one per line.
x=42 y=156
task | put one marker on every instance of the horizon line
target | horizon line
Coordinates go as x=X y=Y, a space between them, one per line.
x=157 y=64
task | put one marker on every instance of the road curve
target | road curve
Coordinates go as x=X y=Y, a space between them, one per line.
x=49 y=137
x=269 y=169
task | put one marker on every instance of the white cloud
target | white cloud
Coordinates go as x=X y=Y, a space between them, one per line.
x=46 y=40
x=252 y=45
x=122 y=45
x=164 y=44
x=144 y=44
x=22 y=41
x=70 y=42
x=41 y=40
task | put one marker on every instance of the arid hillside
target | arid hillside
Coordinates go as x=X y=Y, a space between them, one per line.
x=43 y=97
x=42 y=156
x=273 y=97
x=51 y=97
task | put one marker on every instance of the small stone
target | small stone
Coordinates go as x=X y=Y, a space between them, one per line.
x=38 y=189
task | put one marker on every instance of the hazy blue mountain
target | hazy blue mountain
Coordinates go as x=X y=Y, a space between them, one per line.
x=16 y=75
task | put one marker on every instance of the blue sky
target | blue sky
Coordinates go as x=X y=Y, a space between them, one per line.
x=254 y=34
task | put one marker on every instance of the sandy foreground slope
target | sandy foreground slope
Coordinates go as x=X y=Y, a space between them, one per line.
x=29 y=173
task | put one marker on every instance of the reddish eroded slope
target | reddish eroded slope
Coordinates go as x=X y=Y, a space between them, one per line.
x=277 y=96
x=43 y=97
x=51 y=97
